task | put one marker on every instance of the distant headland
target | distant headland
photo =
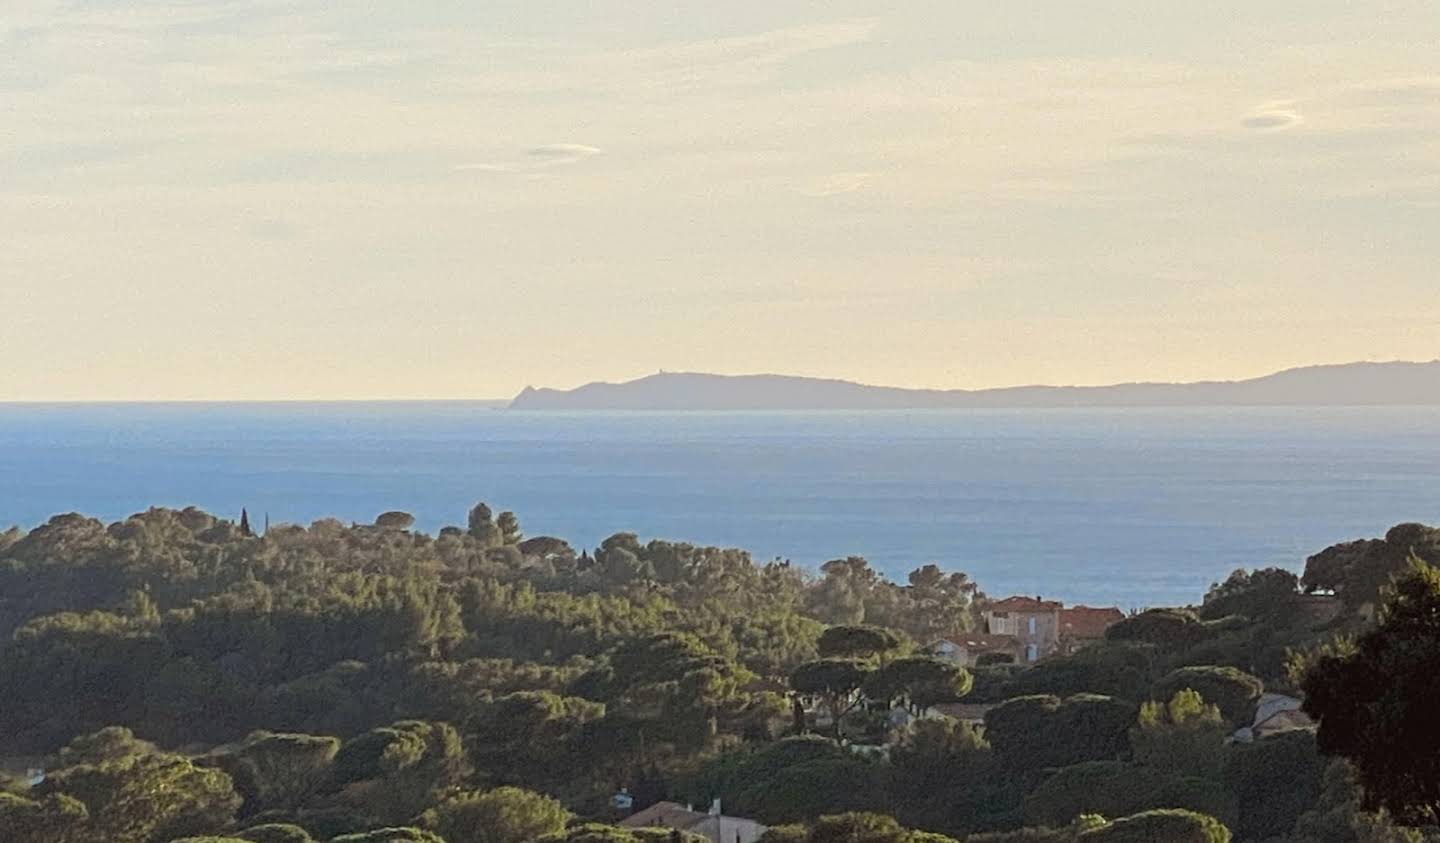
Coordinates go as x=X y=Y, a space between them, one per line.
x=1349 y=384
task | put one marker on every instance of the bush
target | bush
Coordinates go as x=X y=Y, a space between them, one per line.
x=1117 y=670
x=1276 y=778
x=1109 y=788
x=993 y=683
x=808 y=790
x=1026 y=835
x=601 y=833
x=503 y=815
x=47 y=821
x=1031 y=733
x=1233 y=691
x=390 y=835
x=666 y=835
x=1168 y=629
x=1169 y=826
x=275 y=833
x=853 y=827
x=857 y=827
x=277 y=771
x=1117 y=789
x=784 y=834
x=794 y=780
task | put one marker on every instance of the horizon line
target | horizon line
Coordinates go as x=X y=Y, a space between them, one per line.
x=756 y=374
x=12 y=402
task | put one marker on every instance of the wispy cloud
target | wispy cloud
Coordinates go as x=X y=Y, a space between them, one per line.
x=1273 y=119
x=545 y=156
x=563 y=153
x=736 y=60
x=1401 y=91
x=484 y=168
x=837 y=184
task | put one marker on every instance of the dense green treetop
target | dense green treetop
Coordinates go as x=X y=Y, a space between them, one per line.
x=275 y=833
x=503 y=815
x=1185 y=736
x=1171 y=826
x=1234 y=692
x=183 y=677
x=1375 y=700
x=1357 y=571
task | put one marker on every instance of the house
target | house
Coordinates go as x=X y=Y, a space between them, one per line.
x=949 y=651
x=1044 y=628
x=712 y=824
x=966 y=650
x=1274 y=713
x=1084 y=625
x=1033 y=622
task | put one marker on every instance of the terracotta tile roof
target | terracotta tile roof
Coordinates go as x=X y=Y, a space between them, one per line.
x=1087 y=621
x=1025 y=604
x=990 y=642
x=976 y=642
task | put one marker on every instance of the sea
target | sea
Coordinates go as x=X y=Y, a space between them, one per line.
x=1126 y=507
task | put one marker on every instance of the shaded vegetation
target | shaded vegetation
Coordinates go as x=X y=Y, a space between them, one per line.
x=186 y=679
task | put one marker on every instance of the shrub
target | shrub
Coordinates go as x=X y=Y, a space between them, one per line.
x=1170 y=826
x=1233 y=691
x=275 y=833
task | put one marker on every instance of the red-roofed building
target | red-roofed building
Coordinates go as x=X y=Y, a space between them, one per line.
x=1025 y=604
x=1045 y=627
x=966 y=650
x=1034 y=622
x=1082 y=625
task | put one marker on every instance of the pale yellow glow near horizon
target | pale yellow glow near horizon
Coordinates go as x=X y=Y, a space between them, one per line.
x=289 y=199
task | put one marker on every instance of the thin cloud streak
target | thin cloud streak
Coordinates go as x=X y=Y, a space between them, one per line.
x=541 y=157
x=1273 y=120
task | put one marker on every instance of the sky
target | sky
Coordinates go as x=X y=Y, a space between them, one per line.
x=271 y=199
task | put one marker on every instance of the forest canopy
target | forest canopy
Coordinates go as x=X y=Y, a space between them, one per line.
x=179 y=676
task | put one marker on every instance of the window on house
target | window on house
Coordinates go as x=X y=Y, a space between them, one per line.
x=1032 y=653
x=1032 y=626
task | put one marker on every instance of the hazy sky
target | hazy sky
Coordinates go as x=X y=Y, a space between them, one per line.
x=284 y=198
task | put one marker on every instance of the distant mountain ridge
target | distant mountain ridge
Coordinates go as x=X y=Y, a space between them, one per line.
x=1346 y=384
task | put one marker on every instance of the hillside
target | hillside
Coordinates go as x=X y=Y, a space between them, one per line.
x=1351 y=384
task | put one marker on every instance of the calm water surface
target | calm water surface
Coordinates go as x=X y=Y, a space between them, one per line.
x=1133 y=507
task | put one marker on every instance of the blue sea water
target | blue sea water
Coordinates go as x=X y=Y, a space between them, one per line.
x=1127 y=507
